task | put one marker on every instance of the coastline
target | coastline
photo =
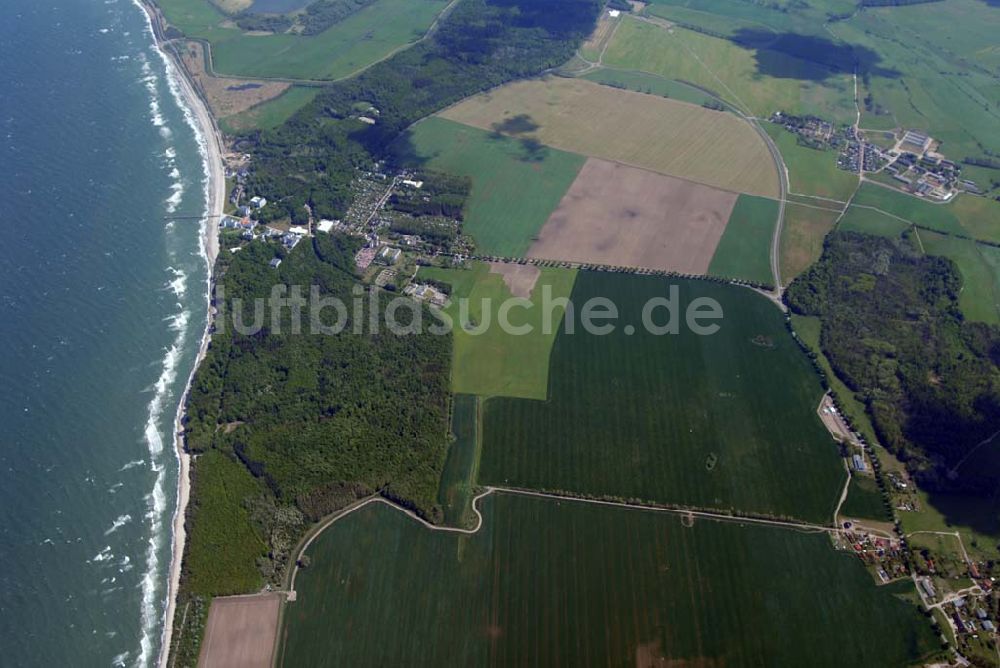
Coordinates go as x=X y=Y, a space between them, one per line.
x=210 y=141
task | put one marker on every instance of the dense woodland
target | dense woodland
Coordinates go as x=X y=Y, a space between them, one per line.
x=314 y=19
x=893 y=332
x=479 y=45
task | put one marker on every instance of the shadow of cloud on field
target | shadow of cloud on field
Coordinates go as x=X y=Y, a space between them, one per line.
x=808 y=57
x=515 y=125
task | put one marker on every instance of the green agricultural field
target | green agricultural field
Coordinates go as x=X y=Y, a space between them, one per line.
x=811 y=171
x=732 y=72
x=361 y=39
x=864 y=500
x=641 y=82
x=744 y=251
x=494 y=362
x=459 y=475
x=980 y=298
x=272 y=113
x=725 y=421
x=566 y=583
x=516 y=185
x=869 y=221
x=802 y=237
x=967 y=215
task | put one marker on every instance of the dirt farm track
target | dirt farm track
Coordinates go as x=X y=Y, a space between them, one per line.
x=623 y=216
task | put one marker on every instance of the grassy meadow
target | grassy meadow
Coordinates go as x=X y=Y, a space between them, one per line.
x=869 y=221
x=496 y=363
x=732 y=72
x=802 y=237
x=725 y=421
x=568 y=583
x=361 y=39
x=744 y=251
x=647 y=131
x=980 y=298
x=811 y=171
x=515 y=185
x=864 y=500
x=272 y=113
x=967 y=215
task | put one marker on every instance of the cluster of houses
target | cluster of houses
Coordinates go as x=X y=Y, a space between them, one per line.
x=252 y=229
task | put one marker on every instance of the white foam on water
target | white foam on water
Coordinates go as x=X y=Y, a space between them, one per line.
x=132 y=464
x=179 y=283
x=103 y=555
x=154 y=594
x=176 y=197
x=119 y=522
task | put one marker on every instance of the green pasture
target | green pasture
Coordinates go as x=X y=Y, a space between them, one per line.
x=516 y=184
x=744 y=251
x=488 y=359
x=812 y=171
x=272 y=113
x=980 y=298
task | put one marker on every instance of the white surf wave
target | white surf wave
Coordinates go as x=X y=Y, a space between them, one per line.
x=119 y=522
x=179 y=283
x=154 y=594
x=132 y=464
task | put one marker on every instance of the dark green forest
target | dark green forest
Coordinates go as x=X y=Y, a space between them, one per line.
x=892 y=330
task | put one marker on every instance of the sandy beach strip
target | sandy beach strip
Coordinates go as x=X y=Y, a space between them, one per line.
x=211 y=139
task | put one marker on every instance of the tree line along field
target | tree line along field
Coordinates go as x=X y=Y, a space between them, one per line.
x=495 y=362
x=516 y=185
x=359 y=40
x=732 y=72
x=568 y=583
x=646 y=131
x=458 y=478
x=726 y=421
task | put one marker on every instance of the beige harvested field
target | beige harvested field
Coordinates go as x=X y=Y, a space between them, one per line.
x=663 y=135
x=520 y=279
x=623 y=216
x=227 y=97
x=240 y=632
